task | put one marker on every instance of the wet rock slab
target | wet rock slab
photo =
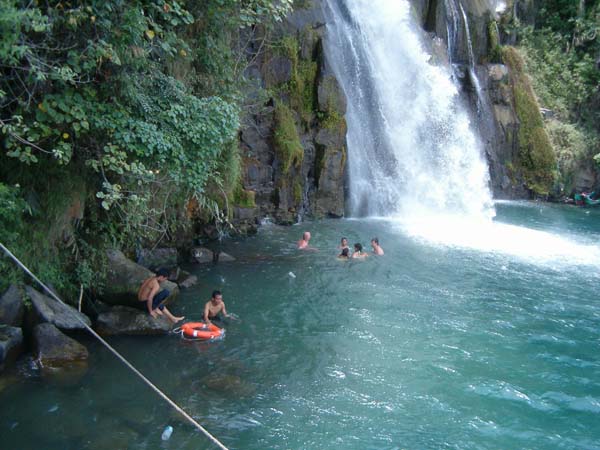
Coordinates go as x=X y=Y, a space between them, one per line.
x=124 y=279
x=130 y=321
x=56 y=351
x=11 y=307
x=11 y=345
x=48 y=309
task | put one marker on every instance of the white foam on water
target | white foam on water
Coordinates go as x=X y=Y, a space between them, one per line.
x=534 y=246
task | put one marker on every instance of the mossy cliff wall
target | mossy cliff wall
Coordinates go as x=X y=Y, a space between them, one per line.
x=293 y=136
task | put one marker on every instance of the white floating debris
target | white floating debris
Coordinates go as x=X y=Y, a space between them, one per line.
x=53 y=408
x=291 y=274
x=167 y=433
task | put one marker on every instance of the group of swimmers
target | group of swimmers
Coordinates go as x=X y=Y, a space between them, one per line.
x=154 y=298
x=358 y=253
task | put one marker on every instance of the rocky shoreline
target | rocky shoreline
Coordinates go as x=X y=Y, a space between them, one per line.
x=36 y=325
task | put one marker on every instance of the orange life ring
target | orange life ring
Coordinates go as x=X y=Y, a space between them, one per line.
x=200 y=330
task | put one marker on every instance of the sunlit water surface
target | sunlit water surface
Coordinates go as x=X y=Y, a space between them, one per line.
x=464 y=336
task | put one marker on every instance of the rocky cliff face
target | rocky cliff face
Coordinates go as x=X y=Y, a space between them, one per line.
x=294 y=144
x=293 y=135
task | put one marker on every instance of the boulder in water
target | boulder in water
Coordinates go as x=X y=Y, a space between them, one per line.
x=48 y=309
x=124 y=279
x=188 y=282
x=226 y=383
x=11 y=307
x=130 y=321
x=201 y=255
x=11 y=345
x=54 y=351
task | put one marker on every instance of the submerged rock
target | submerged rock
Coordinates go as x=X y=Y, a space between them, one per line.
x=225 y=383
x=124 y=278
x=188 y=282
x=48 y=309
x=56 y=351
x=130 y=321
x=11 y=307
x=11 y=345
x=202 y=255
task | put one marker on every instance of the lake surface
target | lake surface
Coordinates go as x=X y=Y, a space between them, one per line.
x=465 y=336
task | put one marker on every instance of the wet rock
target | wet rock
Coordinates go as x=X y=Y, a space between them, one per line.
x=278 y=70
x=110 y=436
x=497 y=72
x=121 y=320
x=11 y=307
x=329 y=198
x=330 y=95
x=124 y=279
x=223 y=257
x=188 y=282
x=245 y=214
x=11 y=345
x=158 y=257
x=54 y=351
x=202 y=255
x=227 y=384
x=48 y=309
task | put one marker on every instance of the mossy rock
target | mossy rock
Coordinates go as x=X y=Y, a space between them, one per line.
x=286 y=139
x=244 y=198
x=536 y=158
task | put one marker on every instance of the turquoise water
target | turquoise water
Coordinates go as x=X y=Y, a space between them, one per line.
x=445 y=342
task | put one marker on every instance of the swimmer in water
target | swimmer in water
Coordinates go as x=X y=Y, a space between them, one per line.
x=344 y=255
x=344 y=244
x=376 y=247
x=358 y=252
x=303 y=243
x=214 y=307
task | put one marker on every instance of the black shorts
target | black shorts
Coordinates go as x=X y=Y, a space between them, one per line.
x=159 y=299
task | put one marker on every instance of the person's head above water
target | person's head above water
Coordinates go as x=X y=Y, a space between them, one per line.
x=306 y=236
x=375 y=241
x=358 y=247
x=216 y=296
x=162 y=273
x=344 y=242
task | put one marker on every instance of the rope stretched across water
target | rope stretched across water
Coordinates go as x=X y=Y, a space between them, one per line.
x=119 y=356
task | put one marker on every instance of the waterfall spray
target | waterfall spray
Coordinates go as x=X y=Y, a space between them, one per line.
x=410 y=142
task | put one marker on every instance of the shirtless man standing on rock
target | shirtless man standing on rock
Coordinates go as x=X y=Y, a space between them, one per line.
x=154 y=300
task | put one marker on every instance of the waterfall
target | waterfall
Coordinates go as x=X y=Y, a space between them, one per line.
x=411 y=146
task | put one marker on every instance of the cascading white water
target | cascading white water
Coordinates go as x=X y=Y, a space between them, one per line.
x=411 y=146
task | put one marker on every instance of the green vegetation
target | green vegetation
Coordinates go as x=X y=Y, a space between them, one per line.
x=245 y=198
x=536 y=156
x=287 y=142
x=302 y=85
x=494 y=47
x=127 y=109
x=560 y=52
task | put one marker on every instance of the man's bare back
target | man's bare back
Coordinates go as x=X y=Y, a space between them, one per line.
x=149 y=285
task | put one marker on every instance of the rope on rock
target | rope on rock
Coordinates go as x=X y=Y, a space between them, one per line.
x=118 y=355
